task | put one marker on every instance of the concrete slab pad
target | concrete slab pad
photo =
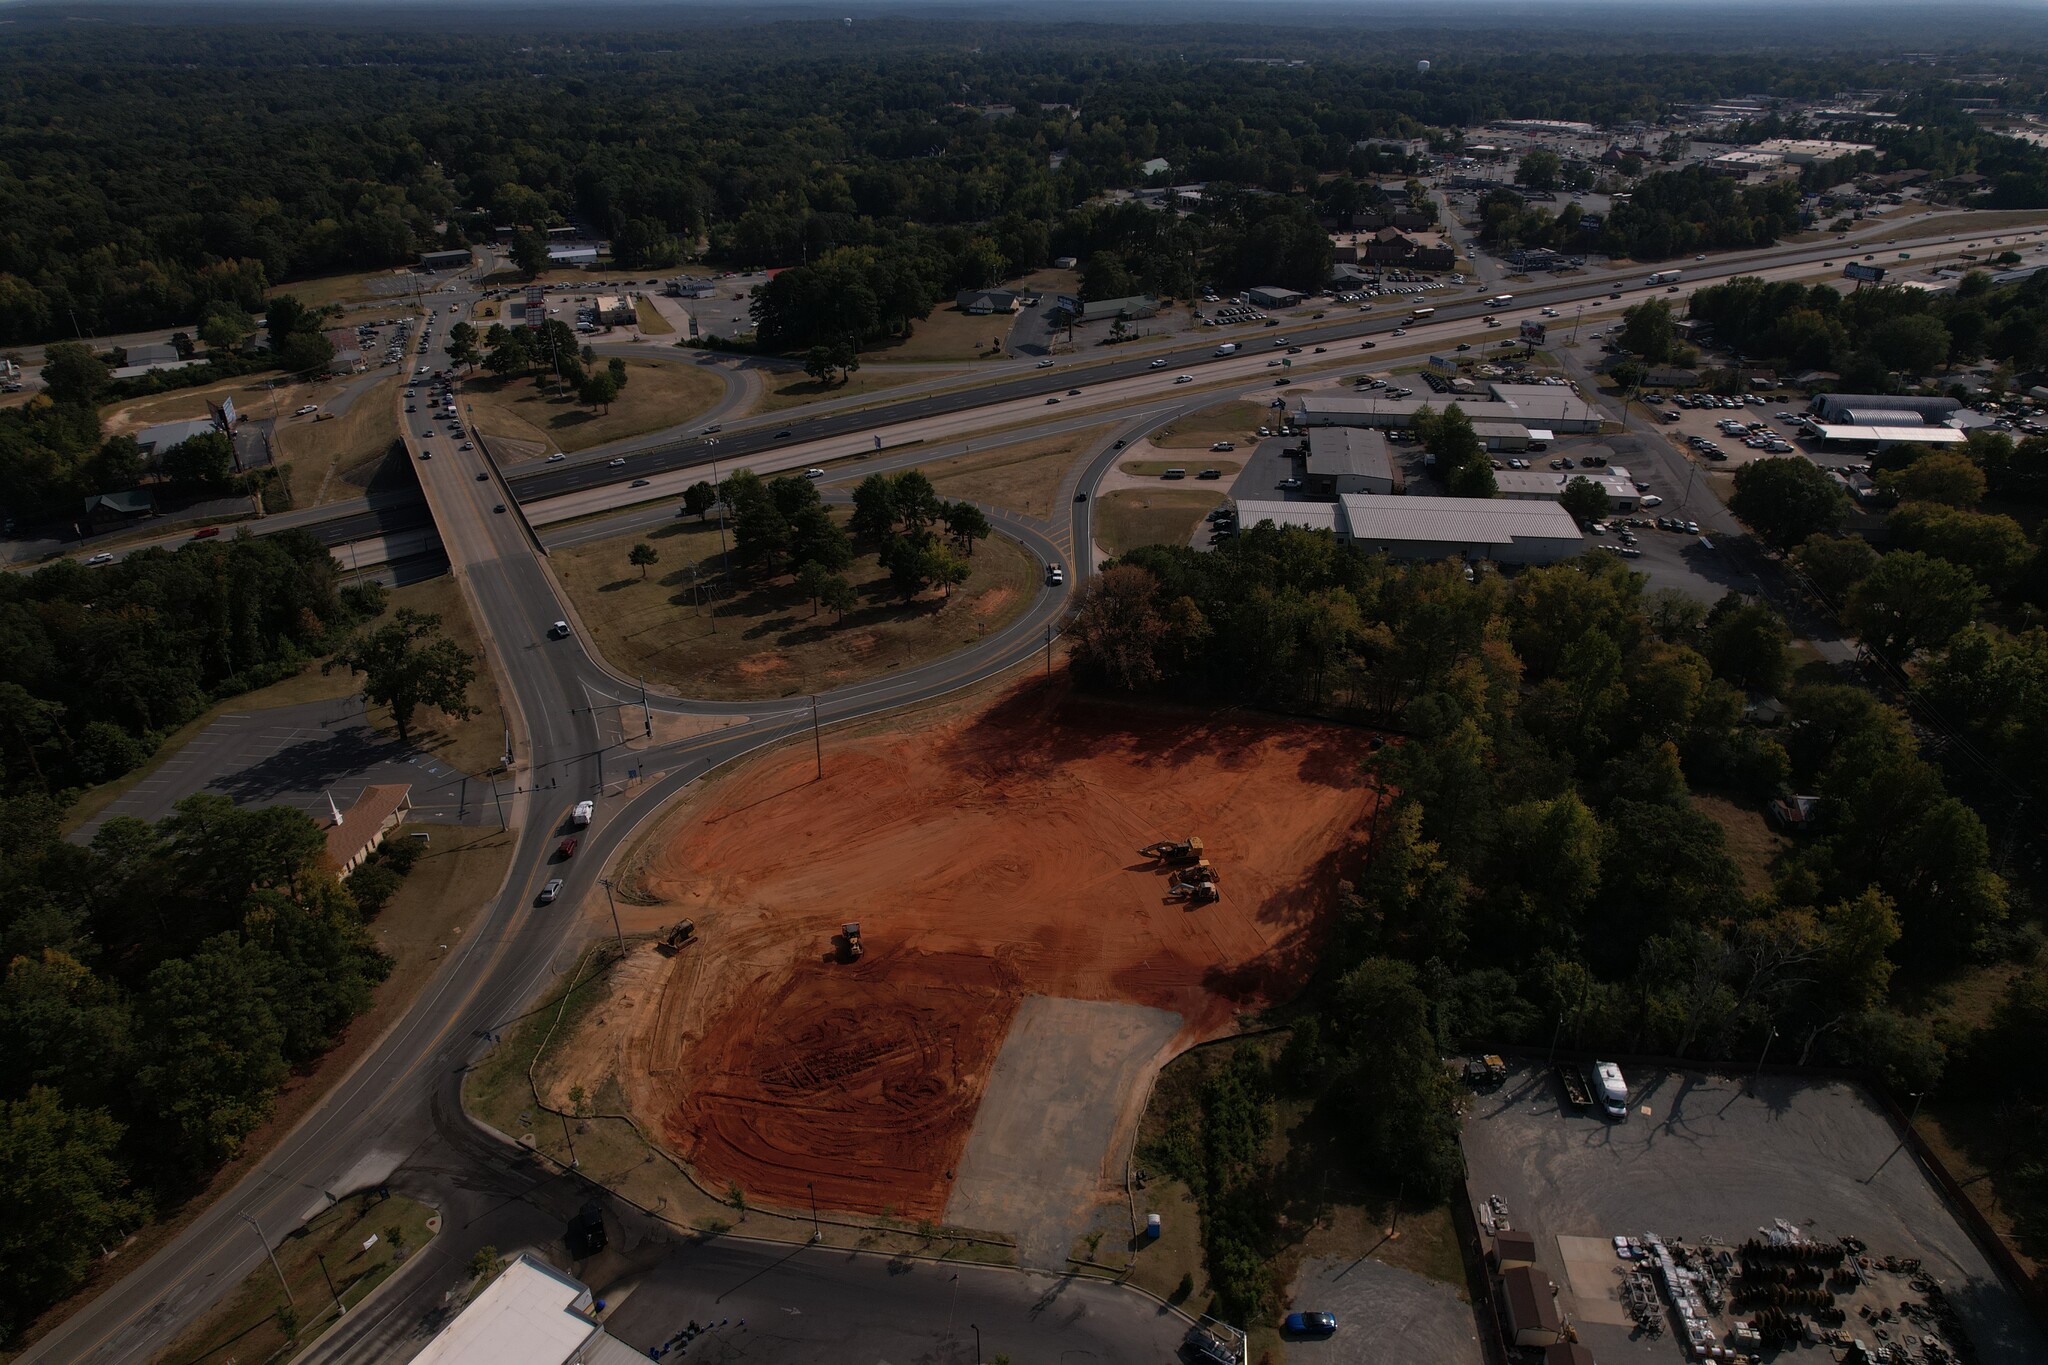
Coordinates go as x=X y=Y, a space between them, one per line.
x=1065 y=1092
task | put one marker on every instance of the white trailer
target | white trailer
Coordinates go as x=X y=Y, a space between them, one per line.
x=1613 y=1090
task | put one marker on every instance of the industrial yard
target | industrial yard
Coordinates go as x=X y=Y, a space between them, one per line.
x=1713 y=1223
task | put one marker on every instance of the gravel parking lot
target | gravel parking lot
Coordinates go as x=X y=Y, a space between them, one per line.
x=1385 y=1316
x=1697 y=1157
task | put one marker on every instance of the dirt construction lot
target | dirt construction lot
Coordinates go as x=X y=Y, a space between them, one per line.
x=988 y=857
x=1699 y=1158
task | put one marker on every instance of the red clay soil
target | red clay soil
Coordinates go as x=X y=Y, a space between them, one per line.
x=986 y=858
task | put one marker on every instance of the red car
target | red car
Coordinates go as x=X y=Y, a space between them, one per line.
x=567 y=850
x=206 y=533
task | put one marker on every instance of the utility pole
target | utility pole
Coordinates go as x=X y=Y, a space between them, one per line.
x=281 y=1282
x=817 y=741
x=500 y=803
x=1048 y=650
x=573 y=1162
x=817 y=1233
x=617 y=932
x=645 y=714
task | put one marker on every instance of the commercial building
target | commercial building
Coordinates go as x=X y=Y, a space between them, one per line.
x=1543 y=485
x=562 y=256
x=1128 y=309
x=376 y=811
x=532 y=1314
x=1802 y=151
x=685 y=287
x=109 y=509
x=1433 y=528
x=1553 y=408
x=446 y=260
x=1882 y=437
x=1543 y=127
x=616 y=310
x=1349 y=460
x=982 y=302
x=1273 y=296
x=164 y=435
x=1745 y=163
x=1398 y=146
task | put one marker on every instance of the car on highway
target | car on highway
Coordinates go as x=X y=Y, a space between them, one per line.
x=1073 y=393
x=1275 y=364
x=1051 y=401
x=1044 y=364
x=559 y=631
x=482 y=477
x=467 y=445
x=1081 y=496
x=1158 y=364
x=103 y=557
x=1282 y=383
x=1368 y=345
x=550 y=891
x=1310 y=1324
x=619 y=463
x=1210 y=474
x=1183 y=379
x=814 y=473
x=412 y=407
x=714 y=429
x=782 y=435
x=556 y=458
x=1055 y=575
x=499 y=508
x=638 y=483
x=1400 y=331
x=566 y=849
x=206 y=533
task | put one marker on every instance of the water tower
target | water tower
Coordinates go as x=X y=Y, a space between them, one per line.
x=1422 y=68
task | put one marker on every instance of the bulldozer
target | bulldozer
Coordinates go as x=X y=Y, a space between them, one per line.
x=1174 y=851
x=679 y=933
x=849 y=942
x=1195 y=893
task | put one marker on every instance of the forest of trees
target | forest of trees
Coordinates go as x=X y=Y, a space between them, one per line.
x=1668 y=213
x=1545 y=865
x=150 y=175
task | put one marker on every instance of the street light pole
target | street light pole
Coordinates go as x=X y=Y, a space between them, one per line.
x=817 y=1233
x=281 y=1282
x=977 y=1343
x=1757 y=1075
x=339 y=1307
x=817 y=741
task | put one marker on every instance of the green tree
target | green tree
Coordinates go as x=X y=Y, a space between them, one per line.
x=643 y=557
x=1948 y=477
x=1585 y=500
x=462 y=344
x=598 y=390
x=64 y=1194
x=1647 y=331
x=1118 y=629
x=699 y=498
x=285 y=317
x=917 y=503
x=812 y=582
x=213 y=1051
x=1746 y=643
x=820 y=364
x=1992 y=547
x=1910 y=602
x=966 y=523
x=1835 y=564
x=305 y=353
x=1539 y=169
x=1914 y=344
x=1786 y=500
x=874 y=509
x=943 y=568
x=406 y=664
x=529 y=252
x=205 y=461
x=838 y=596
x=72 y=374
x=615 y=367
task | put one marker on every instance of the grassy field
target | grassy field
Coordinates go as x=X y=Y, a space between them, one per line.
x=336 y=459
x=762 y=640
x=1129 y=518
x=248 y=1325
x=781 y=391
x=948 y=334
x=1750 y=840
x=1022 y=478
x=650 y=319
x=1198 y=430
x=252 y=399
x=1152 y=469
x=345 y=289
x=658 y=394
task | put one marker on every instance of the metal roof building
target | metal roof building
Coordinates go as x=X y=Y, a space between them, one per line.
x=1887 y=436
x=1349 y=460
x=1497 y=529
x=1549 y=486
x=1541 y=405
x=1835 y=407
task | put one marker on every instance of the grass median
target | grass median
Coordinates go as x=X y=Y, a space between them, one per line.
x=1129 y=518
x=688 y=628
x=1023 y=477
x=658 y=394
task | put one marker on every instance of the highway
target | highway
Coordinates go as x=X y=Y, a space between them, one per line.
x=397 y=1116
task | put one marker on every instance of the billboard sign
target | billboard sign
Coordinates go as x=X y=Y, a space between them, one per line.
x=1533 y=332
x=1444 y=364
x=1858 y=270
x=227 y=413
x=536 y=306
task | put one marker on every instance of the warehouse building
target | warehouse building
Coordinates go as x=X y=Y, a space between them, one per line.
x=1839 y=407
x=1543 y=485
x=1551 y=407
x=532 y=1314
x=1127 y=309
x=563 y=256
x=1469 y=529
x=1349 y=460
x=445 y=260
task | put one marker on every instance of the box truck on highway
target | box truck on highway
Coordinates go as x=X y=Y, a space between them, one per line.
x=1227 y=348
x=580 y=817
x=1666 y=277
